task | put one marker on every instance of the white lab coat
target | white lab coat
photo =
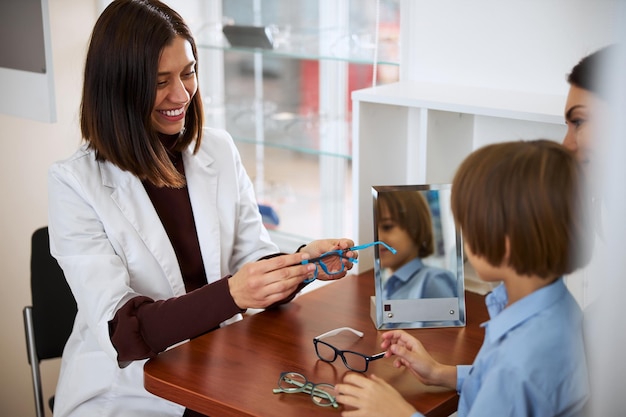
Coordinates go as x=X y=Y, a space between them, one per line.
x=109 y=240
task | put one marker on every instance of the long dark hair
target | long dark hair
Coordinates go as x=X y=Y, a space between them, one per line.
x=120 y=89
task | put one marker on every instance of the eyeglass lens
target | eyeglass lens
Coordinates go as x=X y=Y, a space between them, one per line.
x=332 y=263
x=352 y=360
x=321 y=394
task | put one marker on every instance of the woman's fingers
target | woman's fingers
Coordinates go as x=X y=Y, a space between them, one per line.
x=260 y=284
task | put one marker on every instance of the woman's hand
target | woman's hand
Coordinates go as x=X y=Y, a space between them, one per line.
x=263 y=283
x=410 y=352
x=370 y=397
x=333 y=263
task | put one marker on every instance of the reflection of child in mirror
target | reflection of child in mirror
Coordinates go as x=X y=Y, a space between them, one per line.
x=522 y=211
x=404 y=221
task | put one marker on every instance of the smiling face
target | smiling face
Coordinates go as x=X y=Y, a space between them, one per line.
x=583 y=115
x=176 y=86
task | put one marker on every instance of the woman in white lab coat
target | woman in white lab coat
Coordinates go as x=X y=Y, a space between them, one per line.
x=154 y=219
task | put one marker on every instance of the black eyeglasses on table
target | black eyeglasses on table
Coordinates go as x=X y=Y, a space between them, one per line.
x=354 y=361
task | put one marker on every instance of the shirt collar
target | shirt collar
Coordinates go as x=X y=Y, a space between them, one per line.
x=504 y=319
x=406 y=271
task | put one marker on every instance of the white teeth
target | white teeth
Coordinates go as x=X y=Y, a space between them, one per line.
x=173 y=113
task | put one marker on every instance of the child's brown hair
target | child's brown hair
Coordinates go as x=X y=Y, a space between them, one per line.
x=409 y=209
x=530 y=192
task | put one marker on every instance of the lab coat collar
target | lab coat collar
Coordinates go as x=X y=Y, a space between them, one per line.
x=202 y=179
x=133 y=201
x=131 y=198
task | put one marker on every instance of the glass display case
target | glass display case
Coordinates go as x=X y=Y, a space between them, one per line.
x=281 y=87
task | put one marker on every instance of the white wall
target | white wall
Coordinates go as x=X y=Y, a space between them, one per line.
x=523 y=45
x=28 y=149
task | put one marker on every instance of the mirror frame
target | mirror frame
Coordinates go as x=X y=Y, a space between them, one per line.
x=418 y=313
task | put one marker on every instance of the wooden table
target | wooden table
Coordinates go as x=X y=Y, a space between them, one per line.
x=232 y=371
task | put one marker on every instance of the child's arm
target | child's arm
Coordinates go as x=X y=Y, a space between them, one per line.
x=411 y=353
x=373 y=397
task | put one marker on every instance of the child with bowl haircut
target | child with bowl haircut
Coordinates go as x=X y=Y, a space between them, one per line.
x=405 y=222
x=522 y=210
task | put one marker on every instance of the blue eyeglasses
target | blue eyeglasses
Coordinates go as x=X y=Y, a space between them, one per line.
x=332 y=263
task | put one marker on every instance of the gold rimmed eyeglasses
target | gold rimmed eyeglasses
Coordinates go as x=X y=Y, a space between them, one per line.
x=293 y=382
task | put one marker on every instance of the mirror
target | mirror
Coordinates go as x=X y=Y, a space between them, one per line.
x=422 y=285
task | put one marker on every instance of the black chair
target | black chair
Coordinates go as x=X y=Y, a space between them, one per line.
x=48 y=321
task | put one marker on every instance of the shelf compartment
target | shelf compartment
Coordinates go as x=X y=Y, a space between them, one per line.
x=288 y=130
x=332 y=44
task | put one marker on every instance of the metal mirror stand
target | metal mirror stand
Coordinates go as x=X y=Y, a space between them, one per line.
x=422 y=285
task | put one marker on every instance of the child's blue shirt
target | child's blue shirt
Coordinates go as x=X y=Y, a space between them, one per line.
x=532 y=361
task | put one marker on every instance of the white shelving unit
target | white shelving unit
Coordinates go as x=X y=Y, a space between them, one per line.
x=418 y=133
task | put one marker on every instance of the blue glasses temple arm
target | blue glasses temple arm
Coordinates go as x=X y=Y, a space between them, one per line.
x=378 y=242
x=340 y=252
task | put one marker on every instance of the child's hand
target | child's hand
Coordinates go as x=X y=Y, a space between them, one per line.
x=370 y=397
x=411 y=353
